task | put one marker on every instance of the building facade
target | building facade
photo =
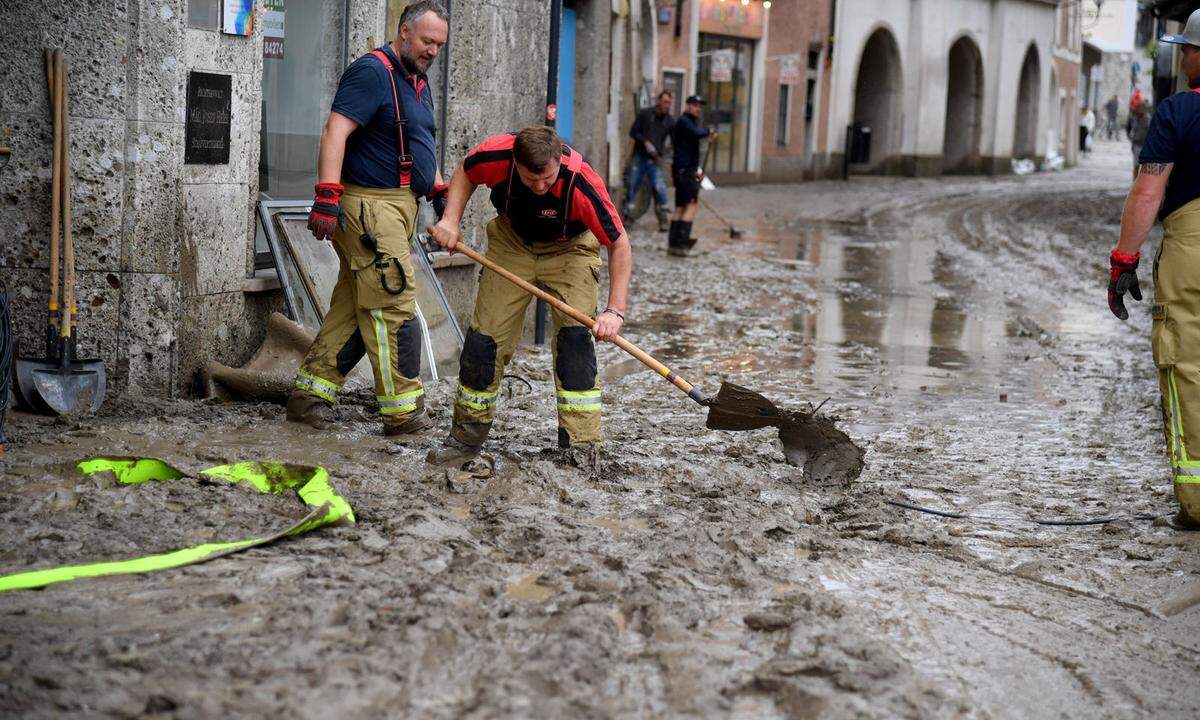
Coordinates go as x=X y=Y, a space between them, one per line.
x=167 y=247
x=944 y=85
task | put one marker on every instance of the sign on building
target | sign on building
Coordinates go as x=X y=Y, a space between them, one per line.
x=237 y=17
x=721 y=66
x=209 y=103
x=273 y=29
x=789 y=70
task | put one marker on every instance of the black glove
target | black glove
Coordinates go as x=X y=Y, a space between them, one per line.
x=437 y=198
x=1122 y=278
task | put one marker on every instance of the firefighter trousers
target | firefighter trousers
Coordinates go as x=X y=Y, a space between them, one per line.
x=1175 y=338
x=372 y=308
x=569 y=271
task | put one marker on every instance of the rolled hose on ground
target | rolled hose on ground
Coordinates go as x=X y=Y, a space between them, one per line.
x=1037 y=521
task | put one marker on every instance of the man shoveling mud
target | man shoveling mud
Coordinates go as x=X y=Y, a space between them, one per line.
x=1168 y=185
x=376 y=158
x=553 y=214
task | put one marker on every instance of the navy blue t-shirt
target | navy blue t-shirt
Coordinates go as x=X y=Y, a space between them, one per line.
x=364 y=95
x=686 y=137
x=1174 y=137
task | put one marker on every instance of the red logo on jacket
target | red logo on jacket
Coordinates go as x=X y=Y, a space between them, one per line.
x=549 y=213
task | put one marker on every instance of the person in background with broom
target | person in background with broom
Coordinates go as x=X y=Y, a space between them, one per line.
x=553 y=214
x=687 y=173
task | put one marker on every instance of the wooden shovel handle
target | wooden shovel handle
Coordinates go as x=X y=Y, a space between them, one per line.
x=56 y=188
x=585 y=320
x=68 y=305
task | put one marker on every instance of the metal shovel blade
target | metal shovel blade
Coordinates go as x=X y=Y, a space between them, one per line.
x=80 y=385
x=810 y=441
x=27 y=392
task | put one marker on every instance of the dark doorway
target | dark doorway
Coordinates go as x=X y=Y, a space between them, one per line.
x=964 y=109
x=877 y=93
x=1025 y=130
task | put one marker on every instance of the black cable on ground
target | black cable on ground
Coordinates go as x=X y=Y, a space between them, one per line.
x=6 y=358
x=1038 y=521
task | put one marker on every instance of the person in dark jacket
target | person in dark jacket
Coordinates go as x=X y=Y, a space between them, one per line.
x=650 y=131
x=686 y=172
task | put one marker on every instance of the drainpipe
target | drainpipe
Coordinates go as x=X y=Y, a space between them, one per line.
x=539 y=318
x=445 y=91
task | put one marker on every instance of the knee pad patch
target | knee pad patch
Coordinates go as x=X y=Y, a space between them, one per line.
x=408 y=348
x=477 y=363
x=351 y=353
x=576 y=361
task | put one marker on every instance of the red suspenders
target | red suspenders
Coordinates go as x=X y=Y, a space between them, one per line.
x=406 y=161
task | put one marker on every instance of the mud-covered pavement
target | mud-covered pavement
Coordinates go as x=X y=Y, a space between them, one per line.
x=956 y=326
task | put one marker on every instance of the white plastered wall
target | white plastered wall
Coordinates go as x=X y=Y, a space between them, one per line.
x=924 y=31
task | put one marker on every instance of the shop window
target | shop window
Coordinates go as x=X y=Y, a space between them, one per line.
x=781 y=122
x=204 y=14
x=303 y=46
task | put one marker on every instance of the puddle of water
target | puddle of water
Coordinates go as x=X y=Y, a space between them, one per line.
x=617 y=526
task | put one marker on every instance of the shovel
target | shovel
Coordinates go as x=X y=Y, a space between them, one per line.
x=734 y=233
x=809 y=441
x=64 y=385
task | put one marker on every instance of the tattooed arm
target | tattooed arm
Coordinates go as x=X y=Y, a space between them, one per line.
x=1142 y=204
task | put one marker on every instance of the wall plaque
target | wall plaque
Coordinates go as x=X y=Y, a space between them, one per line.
x=209 y=103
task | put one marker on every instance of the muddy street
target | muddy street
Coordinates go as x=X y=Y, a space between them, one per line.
x=955 y=327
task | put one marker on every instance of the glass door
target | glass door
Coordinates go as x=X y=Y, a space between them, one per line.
x=303 y=46
x=728 y=98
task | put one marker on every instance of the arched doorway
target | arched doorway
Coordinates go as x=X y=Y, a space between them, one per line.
x=964 y=108
x=877 y=92
x=1054 y=136
x=1025 y=130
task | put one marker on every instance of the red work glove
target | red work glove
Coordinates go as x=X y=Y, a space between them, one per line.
x=437 y=198
x=326 y=214
x=1121 y=279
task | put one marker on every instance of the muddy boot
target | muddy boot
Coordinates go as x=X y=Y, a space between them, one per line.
x=664 y=219
x=585 y=456
x=309 y=410
x=674 y=235
x=409 y=426
x=452 y=451
x=686 y=240
x=1188 y=495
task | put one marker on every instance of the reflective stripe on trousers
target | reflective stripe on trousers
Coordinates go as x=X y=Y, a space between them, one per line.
x=320 y=387
x=581 y=401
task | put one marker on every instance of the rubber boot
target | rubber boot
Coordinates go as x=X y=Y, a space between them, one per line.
x=585 y=456
x=1188 y=495
x=414 y=424
x=452 y=451
x=673 y=236
x=664 y=219
x=679 y=241
x=308 y=409
x=685 y=236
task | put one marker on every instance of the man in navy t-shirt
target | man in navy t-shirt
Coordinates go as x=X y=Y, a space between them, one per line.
x=1167 y=188
x=370 y=170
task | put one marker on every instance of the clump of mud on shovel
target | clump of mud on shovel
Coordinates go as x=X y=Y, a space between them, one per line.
x=810 y=440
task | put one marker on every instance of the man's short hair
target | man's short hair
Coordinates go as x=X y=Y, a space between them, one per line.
x=415 y=10
x=536 y=147
x=666 y=93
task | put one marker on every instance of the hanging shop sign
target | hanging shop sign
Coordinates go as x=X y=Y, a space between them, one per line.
x=725 y=17
x=720 y=67
x=789 y=70
x=272 y=22
x=237 y=17
x=209 y=103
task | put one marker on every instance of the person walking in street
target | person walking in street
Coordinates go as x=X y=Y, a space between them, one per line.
x=376 y=158
x=650 y=131
x=1137 y=128
x=686 y=173
x=1110 y=117
x=1087 y=123
x=552 y=215
x=1167 y=187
